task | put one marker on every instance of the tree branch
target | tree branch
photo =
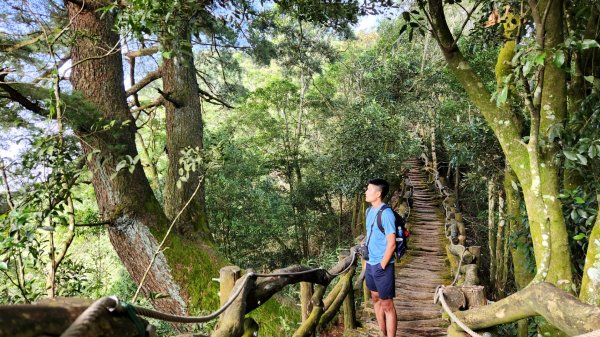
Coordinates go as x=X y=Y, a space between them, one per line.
x=469 y=14
x=10 y=48
x=558 y=307
x=155 y=103
x=93 y=224
x=16 y=96
x=143 y=52
x=150 y=77
x=212 y=99
x=501 y=119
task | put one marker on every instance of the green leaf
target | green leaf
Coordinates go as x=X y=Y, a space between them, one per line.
x=570 y=155
x=167 y=54
x=582 y=213
x=582 y=159
x=574 y=215
x=579 y=200
x=501 y=99
x=406 y=16
x=539 y=60
x=47 y=228
x=579 y=236
x=588 y=43
x=592 y=151
x=3 y=265
x=559 y=59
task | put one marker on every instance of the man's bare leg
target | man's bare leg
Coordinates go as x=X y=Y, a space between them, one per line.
x=391 y=321
x=379 y=313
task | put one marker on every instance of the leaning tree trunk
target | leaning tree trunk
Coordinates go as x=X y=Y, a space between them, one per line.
x=539 y=179
x=184 y=131
x=126 y=199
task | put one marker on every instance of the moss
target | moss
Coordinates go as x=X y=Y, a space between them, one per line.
x=194 y=267
x=275 y=319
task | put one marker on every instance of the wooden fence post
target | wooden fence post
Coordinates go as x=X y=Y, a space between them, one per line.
x=349 y=311
x=306 y=293
x=227 y=277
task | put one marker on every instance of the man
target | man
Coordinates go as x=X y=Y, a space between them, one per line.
x=379 y=272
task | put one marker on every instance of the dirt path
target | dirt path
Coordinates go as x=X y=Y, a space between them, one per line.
x=421 y=270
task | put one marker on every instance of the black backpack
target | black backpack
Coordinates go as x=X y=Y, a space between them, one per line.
x=401 y=231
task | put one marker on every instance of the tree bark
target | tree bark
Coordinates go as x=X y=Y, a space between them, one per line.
x=500 y=237
x=184 y=131
x=125 y=198
x=491 y=226
x=590 y=284
x=507 y=126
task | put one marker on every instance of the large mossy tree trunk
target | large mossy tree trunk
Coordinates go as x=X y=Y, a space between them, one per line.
x=590 y=284
x=183 y=271
x=534 y=168
x=184 y=131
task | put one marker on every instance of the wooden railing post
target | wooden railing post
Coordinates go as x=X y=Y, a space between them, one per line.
x=306 y=293
x=348 y=305
x=349 y=311
x=227 y=277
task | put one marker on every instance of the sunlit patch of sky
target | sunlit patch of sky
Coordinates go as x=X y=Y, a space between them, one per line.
x=368 y=23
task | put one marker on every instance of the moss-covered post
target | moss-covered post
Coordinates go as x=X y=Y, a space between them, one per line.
x=349 y=311
x=227 y=277
x=306 y=292
x=348 y=304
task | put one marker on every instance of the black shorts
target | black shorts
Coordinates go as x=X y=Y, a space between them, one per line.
x=381 y=280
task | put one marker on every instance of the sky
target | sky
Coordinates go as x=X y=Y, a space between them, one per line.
x=367 y=24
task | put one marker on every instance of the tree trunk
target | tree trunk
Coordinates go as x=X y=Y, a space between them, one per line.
x=491 y=226
x=507 y=128
x=500 y=258
x=125 y=198
x=590 y=284
x=520 y=247
x=184 y=131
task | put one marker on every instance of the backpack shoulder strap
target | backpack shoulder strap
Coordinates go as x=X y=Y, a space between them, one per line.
x=379 y=223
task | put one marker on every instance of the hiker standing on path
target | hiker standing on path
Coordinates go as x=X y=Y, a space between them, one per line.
x=379 y=272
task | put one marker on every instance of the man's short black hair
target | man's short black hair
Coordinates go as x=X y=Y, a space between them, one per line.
x=382 y=184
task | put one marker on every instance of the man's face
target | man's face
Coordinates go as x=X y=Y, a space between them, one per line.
x=372 y=193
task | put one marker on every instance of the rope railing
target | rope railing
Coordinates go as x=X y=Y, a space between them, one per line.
x=439 y=297
x=247 y=293
x=113 y=304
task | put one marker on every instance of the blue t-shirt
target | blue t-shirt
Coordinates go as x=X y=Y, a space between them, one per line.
x=378 y=241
